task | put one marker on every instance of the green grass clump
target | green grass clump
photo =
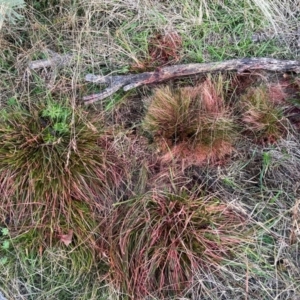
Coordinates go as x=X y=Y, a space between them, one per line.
x=56 y=167
x=55 y=273
x=156 y=241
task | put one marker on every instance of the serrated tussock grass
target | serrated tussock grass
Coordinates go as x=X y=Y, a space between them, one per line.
x=163 y=49
x=261 y=114
x=56 y=167
x=156 y=241
x=191 y=123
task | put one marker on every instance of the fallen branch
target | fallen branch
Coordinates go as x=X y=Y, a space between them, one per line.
x=128 y=82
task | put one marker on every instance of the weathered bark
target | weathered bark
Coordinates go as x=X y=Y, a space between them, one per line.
x=128 y=82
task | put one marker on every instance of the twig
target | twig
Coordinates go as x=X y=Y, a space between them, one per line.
x=128 y=82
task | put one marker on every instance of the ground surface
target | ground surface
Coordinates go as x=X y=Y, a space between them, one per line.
x=184 y=190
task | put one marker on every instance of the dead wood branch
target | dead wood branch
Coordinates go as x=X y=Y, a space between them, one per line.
x=128 y=82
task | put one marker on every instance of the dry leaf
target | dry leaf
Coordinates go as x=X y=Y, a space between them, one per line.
x=66 y=238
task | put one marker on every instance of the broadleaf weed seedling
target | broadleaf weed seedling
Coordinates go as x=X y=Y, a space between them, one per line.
x=57 y=119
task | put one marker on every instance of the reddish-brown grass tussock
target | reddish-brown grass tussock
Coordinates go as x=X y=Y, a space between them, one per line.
x=163 y=49
x=188 y=155
x=211 y=102
x=191 y=124
x=156 y=241
x=277 y=94
x=261 y=115
x=50 y=177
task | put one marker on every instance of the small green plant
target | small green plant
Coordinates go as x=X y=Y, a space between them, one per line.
x=57 y=119
x=158 y=240
x=56 y=111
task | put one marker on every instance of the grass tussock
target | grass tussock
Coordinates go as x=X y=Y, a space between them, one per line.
x=54 y=274
x=156 y=241
x=56 y=167
x=191 y=123
x=163 y=49
x=261 y=115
